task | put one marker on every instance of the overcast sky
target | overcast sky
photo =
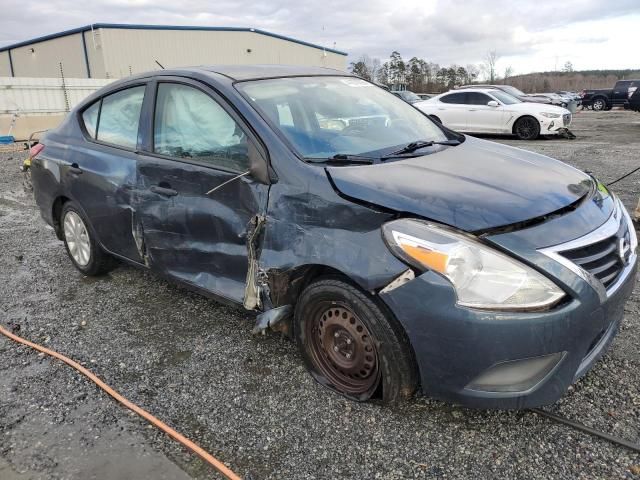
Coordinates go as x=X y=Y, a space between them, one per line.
x=528 y=35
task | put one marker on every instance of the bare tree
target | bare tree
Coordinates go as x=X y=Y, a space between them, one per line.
x=508 y=72
x=568 y=67
x=489 y=66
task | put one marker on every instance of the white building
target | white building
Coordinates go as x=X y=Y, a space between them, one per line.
x=113 y=51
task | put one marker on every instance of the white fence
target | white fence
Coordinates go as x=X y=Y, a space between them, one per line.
x=45 y=96
x=31 y=104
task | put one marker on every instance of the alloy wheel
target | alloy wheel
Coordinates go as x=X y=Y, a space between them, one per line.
x=526 y=128
x=77 y=237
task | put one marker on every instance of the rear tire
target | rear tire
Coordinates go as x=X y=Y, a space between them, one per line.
x=351 y=345
x=599 y=104
x=527 y=128
x=83 y=249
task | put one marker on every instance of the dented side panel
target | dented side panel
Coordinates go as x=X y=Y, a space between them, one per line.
x=198 y=238
x=310 y=224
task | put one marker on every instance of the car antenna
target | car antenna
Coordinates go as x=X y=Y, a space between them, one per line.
x=228 y=181
x=161 y=66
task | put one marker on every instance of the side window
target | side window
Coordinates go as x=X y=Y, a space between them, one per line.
x=90 y=118
x=120 y=117
x=477 y=98
x=458 y=98
x=190 y=124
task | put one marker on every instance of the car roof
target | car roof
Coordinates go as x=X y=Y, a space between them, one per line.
x=470 y=89
x=254 y=72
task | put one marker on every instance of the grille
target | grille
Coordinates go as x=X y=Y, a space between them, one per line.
x=566 y=119
x=602 y=259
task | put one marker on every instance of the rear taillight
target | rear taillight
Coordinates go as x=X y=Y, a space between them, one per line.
x=632 y=90
x=35 y=150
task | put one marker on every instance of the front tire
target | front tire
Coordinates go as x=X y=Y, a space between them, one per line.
x=82 y=247
x=527 y=128
x=351 y=345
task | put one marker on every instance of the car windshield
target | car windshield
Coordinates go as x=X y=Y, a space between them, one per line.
x=505 y=98
x=512 y=91
x=409 y=96
x=325 y=116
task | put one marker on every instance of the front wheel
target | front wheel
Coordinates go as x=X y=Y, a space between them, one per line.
x=82 y=248
x=527 y=128
x=350 y=344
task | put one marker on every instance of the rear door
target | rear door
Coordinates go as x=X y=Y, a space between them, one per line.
x=100 y=172
x=194 y=224
x=452 y=110
x=482 y=118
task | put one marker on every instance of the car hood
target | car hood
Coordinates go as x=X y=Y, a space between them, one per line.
x=534 y=108
x=475 y=186
x=531 y=98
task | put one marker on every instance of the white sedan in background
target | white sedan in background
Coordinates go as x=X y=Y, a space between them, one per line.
x=489 y=110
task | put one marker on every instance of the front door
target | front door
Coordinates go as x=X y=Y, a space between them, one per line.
x=481 y=117
x=191 y=229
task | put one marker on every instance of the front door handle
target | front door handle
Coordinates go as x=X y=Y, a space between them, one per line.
x=473 y=109
x=167 y=192
x=74 y=168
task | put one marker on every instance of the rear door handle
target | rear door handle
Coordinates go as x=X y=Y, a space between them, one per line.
x=473 y=109
x=73 y=168
x=167 y=192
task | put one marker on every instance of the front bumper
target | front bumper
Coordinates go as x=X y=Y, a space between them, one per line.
x=457 y=349
x=554 y=126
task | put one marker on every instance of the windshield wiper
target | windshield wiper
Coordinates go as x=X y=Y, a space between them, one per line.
x=417 y=145
x=344 y=158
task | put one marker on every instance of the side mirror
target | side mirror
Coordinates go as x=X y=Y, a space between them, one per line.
x=493 y=103
x=259 y=167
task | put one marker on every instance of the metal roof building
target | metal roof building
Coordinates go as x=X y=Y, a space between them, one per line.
x=105 y=50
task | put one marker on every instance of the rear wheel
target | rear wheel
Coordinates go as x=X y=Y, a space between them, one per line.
x=82 y=248
x=527 y=128
x=599 y=104
x=350 y=345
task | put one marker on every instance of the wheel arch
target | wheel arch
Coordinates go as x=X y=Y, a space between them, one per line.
x=56 y=212
x=286 y=290
x=517 y=119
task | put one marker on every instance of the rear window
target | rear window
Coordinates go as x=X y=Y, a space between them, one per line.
x=459 y=98
x=120 y=117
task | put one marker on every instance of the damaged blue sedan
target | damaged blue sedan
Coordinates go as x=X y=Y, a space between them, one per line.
x=400 y=255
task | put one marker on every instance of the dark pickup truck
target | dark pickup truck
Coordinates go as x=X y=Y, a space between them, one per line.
x=605 y=99
x=634 y=104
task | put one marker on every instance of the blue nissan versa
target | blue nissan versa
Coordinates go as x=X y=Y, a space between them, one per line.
x=399 y=254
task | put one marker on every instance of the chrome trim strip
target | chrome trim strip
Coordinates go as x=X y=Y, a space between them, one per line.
x=606 y=230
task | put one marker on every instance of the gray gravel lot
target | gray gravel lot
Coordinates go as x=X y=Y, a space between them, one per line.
x=248 y=400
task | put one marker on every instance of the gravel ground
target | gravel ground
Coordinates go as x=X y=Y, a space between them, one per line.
x=248 y=400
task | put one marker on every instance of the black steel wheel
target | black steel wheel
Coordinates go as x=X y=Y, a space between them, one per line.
x=342 y=348
x=527 y=128
x=351 y=345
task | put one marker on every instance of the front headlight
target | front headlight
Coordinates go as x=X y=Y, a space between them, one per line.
x=550 y=115
x=483 y=277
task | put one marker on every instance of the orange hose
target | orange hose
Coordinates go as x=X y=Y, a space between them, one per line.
x=207 y=457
